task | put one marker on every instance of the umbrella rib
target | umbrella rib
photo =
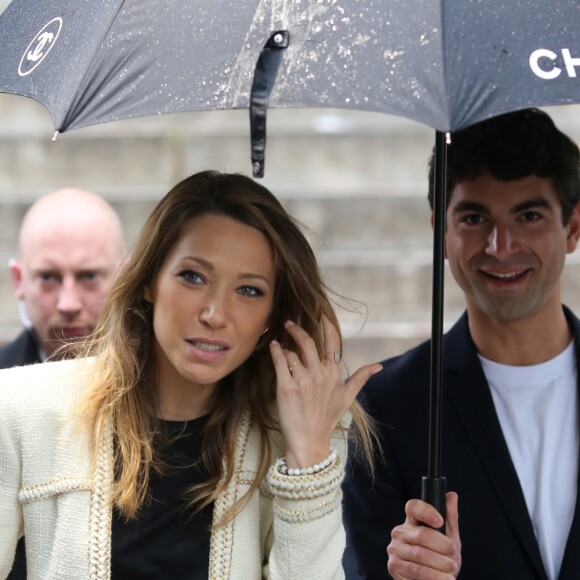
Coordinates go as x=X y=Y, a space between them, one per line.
x=77 y=97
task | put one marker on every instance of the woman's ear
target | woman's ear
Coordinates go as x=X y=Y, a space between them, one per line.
x=148 y=295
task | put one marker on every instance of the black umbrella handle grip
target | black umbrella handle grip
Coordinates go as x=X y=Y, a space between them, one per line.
x=433 y=491
x=262 y=85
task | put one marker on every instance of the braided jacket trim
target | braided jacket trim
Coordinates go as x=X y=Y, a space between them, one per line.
x=222 y=537
x=55 y=487
x=100 y=514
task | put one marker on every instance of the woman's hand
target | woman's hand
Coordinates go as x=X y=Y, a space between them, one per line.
x=421 y=553
x=312 y=396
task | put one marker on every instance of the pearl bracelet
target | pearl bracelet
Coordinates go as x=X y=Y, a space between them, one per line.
x=316 y=468
x=305 y=487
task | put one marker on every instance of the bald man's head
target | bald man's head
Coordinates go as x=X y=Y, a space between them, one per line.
x=70 y=247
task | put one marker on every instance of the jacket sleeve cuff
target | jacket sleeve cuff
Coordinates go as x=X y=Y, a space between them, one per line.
x=304 y=498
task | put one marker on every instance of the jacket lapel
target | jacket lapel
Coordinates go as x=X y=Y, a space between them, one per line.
x=570 y=569
x=30 y=353
x=470 y=398
x=101 y=512
x=222 y=536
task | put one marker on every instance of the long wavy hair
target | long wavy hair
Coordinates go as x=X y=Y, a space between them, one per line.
x=124 y=393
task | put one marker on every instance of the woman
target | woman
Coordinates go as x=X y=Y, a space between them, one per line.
x=199 y=435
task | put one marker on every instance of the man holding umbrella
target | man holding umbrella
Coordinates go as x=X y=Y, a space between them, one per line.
x=510 y=379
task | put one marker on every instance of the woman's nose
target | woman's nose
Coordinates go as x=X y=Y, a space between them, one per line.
x=214 y=311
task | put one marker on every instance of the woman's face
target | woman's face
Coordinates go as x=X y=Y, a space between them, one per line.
x=211 y=302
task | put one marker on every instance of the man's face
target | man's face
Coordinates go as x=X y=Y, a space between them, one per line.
x=506 y=245
x=63 y=278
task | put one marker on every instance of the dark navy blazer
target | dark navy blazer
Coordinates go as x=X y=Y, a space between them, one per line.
x=498 y=541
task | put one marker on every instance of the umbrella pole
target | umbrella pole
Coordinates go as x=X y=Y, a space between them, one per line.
x=433 y=484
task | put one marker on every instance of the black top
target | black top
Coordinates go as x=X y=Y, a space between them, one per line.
x=166 y=541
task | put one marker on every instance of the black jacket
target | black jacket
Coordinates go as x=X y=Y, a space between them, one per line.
x=21 y=351
x=498 y=541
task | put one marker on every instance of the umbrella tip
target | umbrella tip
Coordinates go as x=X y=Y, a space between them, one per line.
x=55 y=135
x=448 y=138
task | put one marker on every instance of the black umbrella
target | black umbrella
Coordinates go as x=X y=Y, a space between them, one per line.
x=445 y=63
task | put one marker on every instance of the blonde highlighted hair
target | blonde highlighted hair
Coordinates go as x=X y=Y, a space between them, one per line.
x=124 y=387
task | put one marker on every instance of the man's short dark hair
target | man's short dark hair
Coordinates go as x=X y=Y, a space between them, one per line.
x=511 y=147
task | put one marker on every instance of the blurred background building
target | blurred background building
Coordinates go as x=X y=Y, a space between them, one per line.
x=356 y=180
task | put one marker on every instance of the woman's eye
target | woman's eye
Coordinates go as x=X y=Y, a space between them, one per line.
x=191 y=276
x=250 y=291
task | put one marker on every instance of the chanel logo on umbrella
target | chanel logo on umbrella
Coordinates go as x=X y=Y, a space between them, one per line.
x=542 y=63
x=40 y=46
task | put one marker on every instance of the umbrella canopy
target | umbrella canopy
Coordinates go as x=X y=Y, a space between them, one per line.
x=445 y=63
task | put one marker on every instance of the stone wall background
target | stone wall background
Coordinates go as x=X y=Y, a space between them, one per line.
x=356 y=180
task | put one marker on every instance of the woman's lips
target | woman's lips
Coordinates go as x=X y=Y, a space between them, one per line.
x=207 y=350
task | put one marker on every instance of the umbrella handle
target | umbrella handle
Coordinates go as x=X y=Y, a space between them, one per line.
x=262 y=85
x=433 y=485
x=433 y=491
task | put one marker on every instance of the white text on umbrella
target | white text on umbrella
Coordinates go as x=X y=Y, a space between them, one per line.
x=554 y=71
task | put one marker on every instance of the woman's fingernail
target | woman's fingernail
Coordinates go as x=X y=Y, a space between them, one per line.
x=289 y=323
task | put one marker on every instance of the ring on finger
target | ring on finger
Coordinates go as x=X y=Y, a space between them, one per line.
x=335 y=356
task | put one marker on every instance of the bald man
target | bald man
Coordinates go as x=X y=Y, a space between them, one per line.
x=70 y=246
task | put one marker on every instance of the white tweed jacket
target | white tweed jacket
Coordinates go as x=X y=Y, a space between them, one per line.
x=51 y=493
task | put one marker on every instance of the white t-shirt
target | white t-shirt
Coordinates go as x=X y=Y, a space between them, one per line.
x=537 y=407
